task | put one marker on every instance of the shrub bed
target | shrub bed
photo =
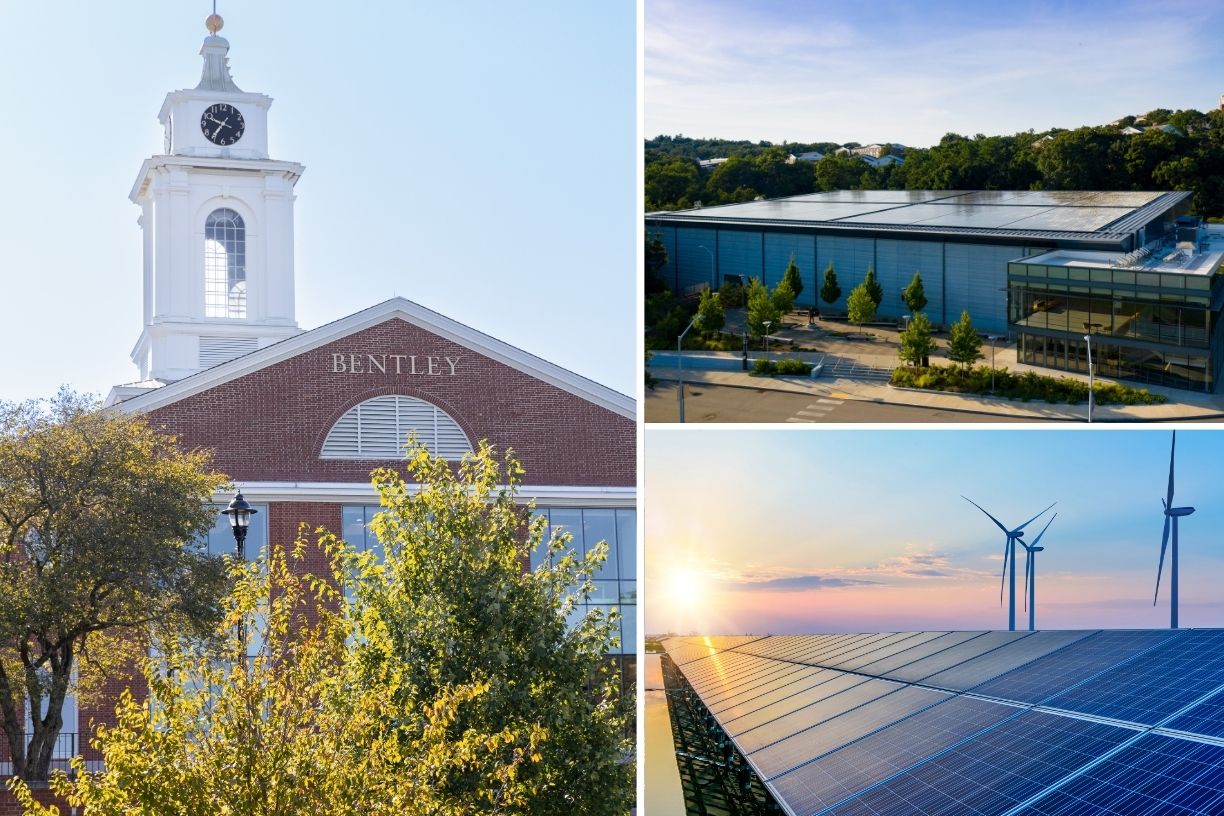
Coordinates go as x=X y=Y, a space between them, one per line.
x=788 y=367
x=1025 y=387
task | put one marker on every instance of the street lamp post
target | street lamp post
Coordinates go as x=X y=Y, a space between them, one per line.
x=240 y=513
x=1088 y=341
x=992 y=338
x=680 y=359
x=712 y=273
x=767 y=324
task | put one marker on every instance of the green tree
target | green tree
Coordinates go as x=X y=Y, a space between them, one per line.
x=859 y=306
x=964 y=344
x=783 y=297
x=656 y=259
x=830 y=291
x=100 y=518
x=672 y=184
x=761 y=308
x=917 y=341
x=914 y=295
x=439 y=679
x=710 y=312
x=873 y=286
x=792 y=277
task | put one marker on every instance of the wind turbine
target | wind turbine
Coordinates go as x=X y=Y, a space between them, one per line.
x=1009 y=555
x=1030 y=570
x=1170 y=513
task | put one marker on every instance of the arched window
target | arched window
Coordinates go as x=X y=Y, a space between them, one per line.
x=225 y=293
x=379 y=427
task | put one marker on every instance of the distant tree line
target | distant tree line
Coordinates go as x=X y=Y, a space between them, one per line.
x=1087 y=158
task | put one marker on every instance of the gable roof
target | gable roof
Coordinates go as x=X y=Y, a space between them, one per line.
x=395 y=308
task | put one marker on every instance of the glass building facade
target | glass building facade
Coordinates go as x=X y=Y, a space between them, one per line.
x=1152 y=326
x=615 y=585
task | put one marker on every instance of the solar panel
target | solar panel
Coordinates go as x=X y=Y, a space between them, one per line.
x=978 y=670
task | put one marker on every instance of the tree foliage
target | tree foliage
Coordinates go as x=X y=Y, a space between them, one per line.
x=792 y=277
x=914 y=295
x=762 y=307
x=100 y=518
x=917 y=341
x=711 y=317
x=874 y=289
x=830 y=291
x=656 y=259
x=440 y=679
x=964 y=344
x=859 y=306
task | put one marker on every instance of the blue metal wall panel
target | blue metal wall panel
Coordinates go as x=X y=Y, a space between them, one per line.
x=896 y=263
x=691 y=260
x=739 y=253
x=977 y=281
x=779 y=247
x=850 y=257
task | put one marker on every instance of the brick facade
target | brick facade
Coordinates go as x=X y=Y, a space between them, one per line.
x=269 y=425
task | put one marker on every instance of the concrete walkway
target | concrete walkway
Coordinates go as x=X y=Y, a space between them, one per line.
x=876 y=348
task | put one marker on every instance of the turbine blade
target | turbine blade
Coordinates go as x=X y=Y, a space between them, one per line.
x=1164 y=542
x=1172 y=450
x=1043 y=529
x=992 y=518
x=1034 y=518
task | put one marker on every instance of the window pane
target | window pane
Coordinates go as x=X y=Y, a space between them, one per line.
x=568 y=521
x=597 y=526
x=626 y=542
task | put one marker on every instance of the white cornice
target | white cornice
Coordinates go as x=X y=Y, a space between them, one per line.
x=364 y=493
x=396 y=308
x=293 y=170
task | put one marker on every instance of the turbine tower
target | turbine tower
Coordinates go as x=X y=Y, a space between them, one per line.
x=1170 y=513
x=1009 y=556
x=1030 y=570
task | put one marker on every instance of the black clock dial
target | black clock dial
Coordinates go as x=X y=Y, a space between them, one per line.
x=222 y=124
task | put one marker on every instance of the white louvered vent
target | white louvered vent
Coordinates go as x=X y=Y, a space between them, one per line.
x=217 y=350
x=379 y=427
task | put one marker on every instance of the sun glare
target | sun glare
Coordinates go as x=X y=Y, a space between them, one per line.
x=685 y=589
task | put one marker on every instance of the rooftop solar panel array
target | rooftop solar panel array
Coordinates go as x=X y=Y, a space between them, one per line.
x=1052 y=723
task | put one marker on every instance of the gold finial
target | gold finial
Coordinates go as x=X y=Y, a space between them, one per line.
x=214 y=23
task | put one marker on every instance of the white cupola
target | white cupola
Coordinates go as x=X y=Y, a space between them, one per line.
x=217 y=218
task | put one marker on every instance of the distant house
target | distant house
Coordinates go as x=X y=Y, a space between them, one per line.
x=709 y=164
x=1167 y=128
x=881 y=161
x=810 y=156
x=1040 y=143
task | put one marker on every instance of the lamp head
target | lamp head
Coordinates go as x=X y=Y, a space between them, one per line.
x=239 y=512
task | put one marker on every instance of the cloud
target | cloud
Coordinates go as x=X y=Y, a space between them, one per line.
x=795 y=583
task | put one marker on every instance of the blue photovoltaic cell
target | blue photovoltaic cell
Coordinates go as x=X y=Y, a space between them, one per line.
x=1151 y=688
x=946 y=641
x=835 y=686
x=881 y=647
x=946 y=659
x=1205 y=718
x=847 y=771
x=1049 y=675
x=1156 y=776
x=980 y=669
x=919 y=638
x=992 y=772
x=837 y=731
x=799 y=719
x=814 y=679
x=758 y=686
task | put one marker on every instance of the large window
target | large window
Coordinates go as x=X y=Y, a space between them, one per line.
x=225 y=287
x=616 y=583
x=378 y=429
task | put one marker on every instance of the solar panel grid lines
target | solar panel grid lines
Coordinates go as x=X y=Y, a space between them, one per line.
x=768 y=729
x=874 y=647
x=812 y=682
x=892 y=649
x=795 y=699
x=1016 y=654
x=955 y=655
x=887 y=663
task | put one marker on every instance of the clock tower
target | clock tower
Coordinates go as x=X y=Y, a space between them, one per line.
x=217 y=220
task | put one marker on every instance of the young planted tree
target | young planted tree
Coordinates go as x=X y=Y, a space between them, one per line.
x=859 y=306
x=761 y=308
x=914 y=295
x=830 y=291
x=964 y=344
x=100 y=518
x=438 y=679
x=873 y=286
x=710 y=311
x=783 y=297
x=792 y=277
x=917 y=341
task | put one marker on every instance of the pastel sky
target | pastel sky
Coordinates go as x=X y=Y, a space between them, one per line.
x=900 y=71
x=776 y=531
x=478 y=158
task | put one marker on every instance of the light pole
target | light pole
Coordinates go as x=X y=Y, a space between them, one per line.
x=711 y=254
x=680 y=359
x=767 y=324
x=240 y=513
x=1088 y=340
x=992 y=338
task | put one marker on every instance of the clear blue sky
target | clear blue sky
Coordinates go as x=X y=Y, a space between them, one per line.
x=900 y=71
x=478 y=158
x=867 y=530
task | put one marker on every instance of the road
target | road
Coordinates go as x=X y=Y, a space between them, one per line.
x=717 y=403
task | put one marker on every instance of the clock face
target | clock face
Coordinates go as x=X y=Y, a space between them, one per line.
x=222 y=124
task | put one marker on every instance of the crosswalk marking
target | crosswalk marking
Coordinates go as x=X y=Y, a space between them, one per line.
x=816 y=411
